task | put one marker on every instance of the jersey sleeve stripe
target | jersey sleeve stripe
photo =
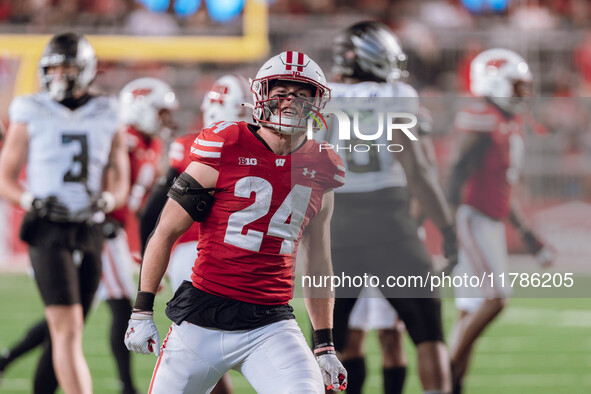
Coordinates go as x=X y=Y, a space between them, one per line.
x=203 y=153
x=210 y=143
x=341 y=168
x=339 y=178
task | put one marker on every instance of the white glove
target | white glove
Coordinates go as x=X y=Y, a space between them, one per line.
x=333 y=372
x=545 y=257
x=141 y=335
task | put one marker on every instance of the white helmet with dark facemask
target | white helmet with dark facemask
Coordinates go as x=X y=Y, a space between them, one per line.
x=67 y=49
x=141 y=101
x=497 y=74
x=292 y=67
x=224 y=100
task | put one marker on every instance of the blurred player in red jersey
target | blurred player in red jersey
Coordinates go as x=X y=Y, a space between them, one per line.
x=223 y=101
x=272 y=188
x=146 y=106
x=487 y=165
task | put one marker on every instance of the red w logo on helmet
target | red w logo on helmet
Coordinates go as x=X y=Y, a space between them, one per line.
x=217 y=94
x=141 y=92
x=496 y=63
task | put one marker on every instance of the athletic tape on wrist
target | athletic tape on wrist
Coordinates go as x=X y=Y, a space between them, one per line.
x=144 y=301
x=323 y=342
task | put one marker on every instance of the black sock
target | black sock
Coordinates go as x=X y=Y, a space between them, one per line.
x=456 y=383
x=394 y=379
x=33 y=338
x=45 y=381
x=355 y=374
x=121 y=310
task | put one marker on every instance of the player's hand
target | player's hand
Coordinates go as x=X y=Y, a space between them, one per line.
x=333 y=372
x=97 y=208
x=450 y=247
x=142 y=335
x=46 y=208
x=545 y=257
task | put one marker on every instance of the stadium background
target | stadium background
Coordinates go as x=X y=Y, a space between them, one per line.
x=538 y=345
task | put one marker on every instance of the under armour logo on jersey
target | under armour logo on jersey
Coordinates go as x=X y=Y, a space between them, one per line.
x=247 y=161
x=279 y=162
x=312 y=173
x=294 y=59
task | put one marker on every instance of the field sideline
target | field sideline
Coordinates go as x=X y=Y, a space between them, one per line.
x=537 y=346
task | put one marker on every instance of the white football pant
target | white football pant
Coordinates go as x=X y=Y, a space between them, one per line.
x=275 y=359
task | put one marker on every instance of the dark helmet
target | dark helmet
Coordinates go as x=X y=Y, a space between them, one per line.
x=68 y=49
x=368 y=51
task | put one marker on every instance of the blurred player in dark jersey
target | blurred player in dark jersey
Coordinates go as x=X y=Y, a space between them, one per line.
x=372 y=230
x=490 y=152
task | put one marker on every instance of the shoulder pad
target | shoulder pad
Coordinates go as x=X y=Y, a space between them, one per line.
x=24 y=108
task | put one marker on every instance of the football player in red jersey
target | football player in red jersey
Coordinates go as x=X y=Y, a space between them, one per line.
x=490 y=153
x=145 y=107
x=223 y=101
x=272 y=188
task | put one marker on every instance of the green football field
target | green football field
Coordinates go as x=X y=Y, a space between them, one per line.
x=536 y=346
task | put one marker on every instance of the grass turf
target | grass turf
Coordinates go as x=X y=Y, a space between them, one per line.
x=536 y=346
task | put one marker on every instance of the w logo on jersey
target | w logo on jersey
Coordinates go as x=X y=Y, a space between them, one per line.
x=279 y=162
x=294 y=59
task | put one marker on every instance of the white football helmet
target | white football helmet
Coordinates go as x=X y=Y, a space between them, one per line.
x=141 y=101
x=294 y=67
x=494 y=73
x=224 y=100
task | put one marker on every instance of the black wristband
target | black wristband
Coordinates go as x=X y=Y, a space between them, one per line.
x=144 y=301
x=323 y=343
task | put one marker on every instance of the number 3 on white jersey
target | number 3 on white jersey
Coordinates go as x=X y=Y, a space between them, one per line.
x=294 y=205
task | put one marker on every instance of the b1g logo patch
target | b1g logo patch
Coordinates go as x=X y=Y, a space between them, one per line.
x=247 y=161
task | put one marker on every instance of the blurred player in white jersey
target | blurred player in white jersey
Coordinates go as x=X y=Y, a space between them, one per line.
x=372 y=230
x=272 y=188
x=145 y=110
x=373 y=312
x=222 y=102
x=487 y=165
x=77 y=170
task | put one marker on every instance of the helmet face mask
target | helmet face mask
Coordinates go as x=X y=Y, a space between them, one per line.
x=67 y=66
x=147 y=104
x=369 y=51
x=292 y=68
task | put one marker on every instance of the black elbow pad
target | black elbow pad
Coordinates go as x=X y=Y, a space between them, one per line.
x=194 y=198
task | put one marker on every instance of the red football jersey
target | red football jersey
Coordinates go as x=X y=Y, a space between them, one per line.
x=144 y=156
x=263 y=202
x=489 y=187
x=178 y=159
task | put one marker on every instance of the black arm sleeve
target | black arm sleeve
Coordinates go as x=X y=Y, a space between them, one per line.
x=154 y=206
x=464 y=167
